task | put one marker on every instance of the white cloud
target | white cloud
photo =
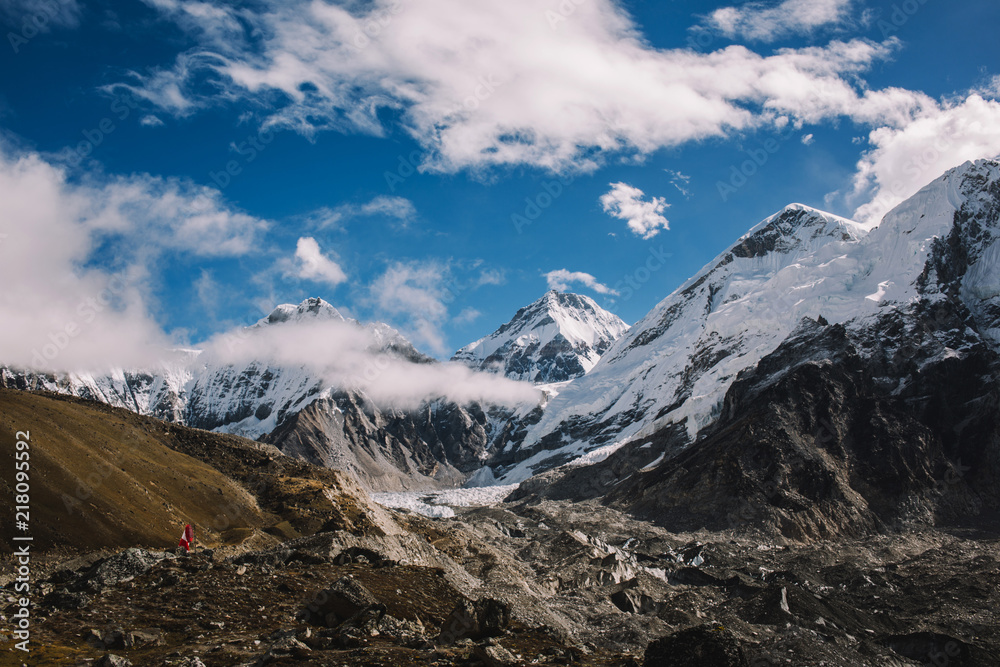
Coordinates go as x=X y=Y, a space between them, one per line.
x=480 y=84
x=467 y=316
x=348 y=356
x=391 y=207
x=150 y=120
x=645 y=218
x=681 y=181
x=397 y=208
x=807 y=139
x=208 y=290
x=491 y=277
x=561 y=279
x=766 y=22
x=323 y=217
x=417 y=293
x=62 y=310
x=154 y=213
x=312 y=264
x=904 y=159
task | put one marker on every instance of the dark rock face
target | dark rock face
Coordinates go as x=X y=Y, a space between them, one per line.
x=342 y=601
x=839 y=433
x=485 y=617
x=937 y=648
x=702 y=646
x=388 y=449
x=77 y=586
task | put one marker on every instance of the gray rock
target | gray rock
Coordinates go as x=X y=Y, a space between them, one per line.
x=486 y=617
x=123 y=567
x=702 y=646
x=632 y=601
x=495 y=656
x=345 y=599
x=112 y=660
x=191 y=662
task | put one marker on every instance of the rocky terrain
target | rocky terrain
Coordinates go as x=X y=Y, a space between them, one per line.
x=540 y=583
x=317 y=574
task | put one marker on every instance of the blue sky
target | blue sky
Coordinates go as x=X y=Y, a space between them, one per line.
x=439 y=164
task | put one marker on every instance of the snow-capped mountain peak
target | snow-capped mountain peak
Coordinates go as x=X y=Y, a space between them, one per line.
x=558 y=337
x=676 y=364
x=312 y=308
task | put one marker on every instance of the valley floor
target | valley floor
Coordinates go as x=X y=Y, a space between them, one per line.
x=584 y=586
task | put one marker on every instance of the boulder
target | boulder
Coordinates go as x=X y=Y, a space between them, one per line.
x=486 y=617
x=122 y=567
x=495 y=656
x=66 y=600
x=702 y=646
x=343 y=600
x=191 y=662
x=633 y=601
x=112 y=660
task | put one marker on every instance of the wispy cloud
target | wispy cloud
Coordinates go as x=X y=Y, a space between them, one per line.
x=398 y=209
x=467 y=316
x=681 y=181
x=491 y=277
x=765 y=22
x=561 y=279
x=41 y=15
x=348 y=356
x=208 y=290
x=556 y=99
x=644 y=218
x=416 y=293
x=76 y=314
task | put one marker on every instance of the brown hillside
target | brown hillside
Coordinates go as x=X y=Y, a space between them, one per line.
x=106 y=477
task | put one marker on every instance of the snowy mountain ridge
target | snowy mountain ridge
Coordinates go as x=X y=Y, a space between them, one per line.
x=608 y=384
x=675 y=365
x=557 y=338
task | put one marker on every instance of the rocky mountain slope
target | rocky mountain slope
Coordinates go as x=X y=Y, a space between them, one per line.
x=810 y=444
x=936 y=251
x=555 y=339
